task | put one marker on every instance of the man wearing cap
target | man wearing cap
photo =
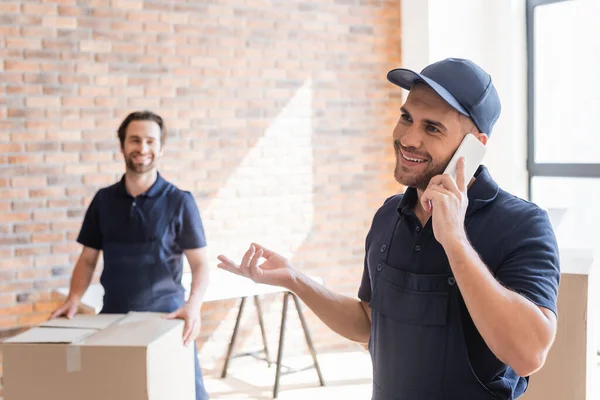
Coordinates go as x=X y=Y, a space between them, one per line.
x=458 y=295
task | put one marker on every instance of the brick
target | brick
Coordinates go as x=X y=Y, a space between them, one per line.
x=6 y=323
x=47 y=192
x=42 y=146
x=77 y=147
x=60 y=44
x=59 y=22
x=94 y=91
x=127 y=4
x=61 y=157
x=23 y=43
x=69 y=11
x=25 y=113
x=81 y=191
x=12 y=194
x=128 y=91
x=76 y=101
x=74 y=79
x=9 y=8
x=81 y=169
x=14 y=310
x=21 y=66
x=37 y=9
x=11 y=77
x=14 y=240
x=158 y=27
x=64 y=180
x=111 y=58
x=144 y=103
x=51 y=260
x=47 y=237
x=72 y=247
x=128 y=48
x=55 y=67
x=7 y=299
x=23 y=90
x=34 y=319
x=28 y=181
x=48 y=215
x=111 y=102
x=33 y=125
x=64 y=203
x=174 y=17
x=47 y=306
x=31 y=228
x=96 y=46
x=11 y=148
x=26 y=158
x=16 y=263
x=77 y=124
x=7 y=287
x=42 y=102
x=43 y=78
x=91 y=68
x=143 y=16
x=28 y=205
x=98 y=157
x=37 y=32
x=9 y=30
x=98 y=179
x=59 y=90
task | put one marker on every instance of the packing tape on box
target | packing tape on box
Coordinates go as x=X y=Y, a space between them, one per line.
x=73 y=358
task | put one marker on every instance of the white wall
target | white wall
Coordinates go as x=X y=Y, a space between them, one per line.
x=492 y=34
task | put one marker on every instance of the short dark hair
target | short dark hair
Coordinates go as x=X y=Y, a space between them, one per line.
x=142 y=116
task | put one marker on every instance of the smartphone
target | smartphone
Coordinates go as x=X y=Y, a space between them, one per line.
x=473 y=151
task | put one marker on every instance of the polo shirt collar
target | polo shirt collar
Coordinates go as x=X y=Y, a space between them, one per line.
x=155 y=190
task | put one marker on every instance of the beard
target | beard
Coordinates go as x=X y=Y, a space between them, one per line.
x=417 y=179
x=136 y=167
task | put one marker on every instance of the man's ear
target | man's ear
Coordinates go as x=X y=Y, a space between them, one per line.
x=482 y=137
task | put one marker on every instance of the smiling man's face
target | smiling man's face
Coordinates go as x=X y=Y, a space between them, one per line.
x=142 y=146
x=426 y=136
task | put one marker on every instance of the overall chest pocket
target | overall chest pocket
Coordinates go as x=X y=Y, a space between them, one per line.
x=409 y=333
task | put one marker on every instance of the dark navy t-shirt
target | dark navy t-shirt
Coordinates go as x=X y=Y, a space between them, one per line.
x=513 y=237
x=143 y=240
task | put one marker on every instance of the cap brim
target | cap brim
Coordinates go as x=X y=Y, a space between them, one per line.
x=406 y=78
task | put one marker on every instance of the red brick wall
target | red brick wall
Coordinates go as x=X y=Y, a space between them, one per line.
x=291 y=93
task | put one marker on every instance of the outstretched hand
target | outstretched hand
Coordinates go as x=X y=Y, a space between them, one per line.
x=275 y=270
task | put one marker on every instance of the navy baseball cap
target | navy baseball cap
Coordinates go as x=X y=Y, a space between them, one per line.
x=462 y=84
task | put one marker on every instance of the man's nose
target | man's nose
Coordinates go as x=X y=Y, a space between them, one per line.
x=411 y=138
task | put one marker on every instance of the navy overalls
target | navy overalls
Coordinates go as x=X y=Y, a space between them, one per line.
x=423 y=342
x=142 y=240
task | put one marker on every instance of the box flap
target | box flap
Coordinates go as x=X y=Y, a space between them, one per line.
x=136 y=329
x=52 y=335
x=83 y=321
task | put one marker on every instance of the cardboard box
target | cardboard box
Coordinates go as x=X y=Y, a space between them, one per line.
x=137 y=356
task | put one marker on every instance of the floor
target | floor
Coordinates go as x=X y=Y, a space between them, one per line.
x=347 y=376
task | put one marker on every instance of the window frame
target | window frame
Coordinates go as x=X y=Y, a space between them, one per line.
x=558 y=170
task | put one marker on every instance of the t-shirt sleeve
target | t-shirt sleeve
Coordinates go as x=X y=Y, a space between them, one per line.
x=531 y=266
x=90 y=234
x=190 y=232
x=364 y=291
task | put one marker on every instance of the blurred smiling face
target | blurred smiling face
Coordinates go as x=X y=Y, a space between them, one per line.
x=426 y=136
x=142 y=146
